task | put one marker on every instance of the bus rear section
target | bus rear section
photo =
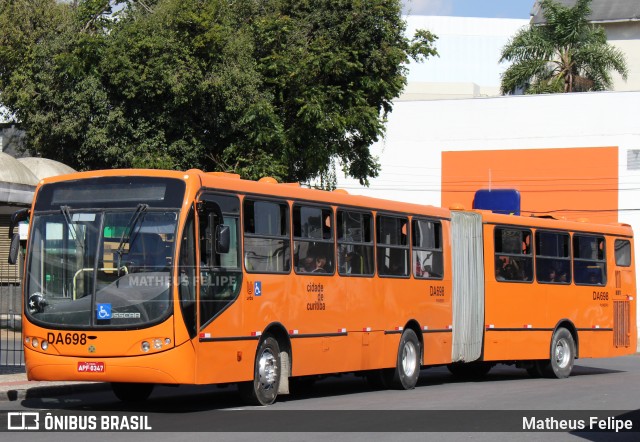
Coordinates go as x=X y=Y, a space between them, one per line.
x=554 y=291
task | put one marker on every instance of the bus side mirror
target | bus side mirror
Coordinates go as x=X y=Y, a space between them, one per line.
x=17 y=217
x=223 y=238
x=14 y=248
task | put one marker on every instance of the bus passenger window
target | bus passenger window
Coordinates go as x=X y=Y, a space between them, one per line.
x=513 y=259
x=553 y=257
x=355 y=243
x=266 y=237
x=393 y=247
x=589 y=260
x=313 y=240
x=427 y=249
x=623 y=253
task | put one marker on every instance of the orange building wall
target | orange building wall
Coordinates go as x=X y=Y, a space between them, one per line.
x=569 y=182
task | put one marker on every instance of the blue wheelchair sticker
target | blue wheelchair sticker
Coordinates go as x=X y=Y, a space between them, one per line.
x=257 y=288
x=103 y=311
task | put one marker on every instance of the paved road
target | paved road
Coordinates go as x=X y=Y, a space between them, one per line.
x=596 y=386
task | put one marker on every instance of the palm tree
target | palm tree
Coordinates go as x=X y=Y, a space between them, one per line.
x=565 y=54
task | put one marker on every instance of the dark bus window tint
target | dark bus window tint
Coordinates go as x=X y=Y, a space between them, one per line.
x=393 y=247
x=355 y=243
x=427 y=249
x=513 y=260
x=589 y=263
x=266 y=218
x=553 y=258
x=623 y=253
x=266 y=237
x=313 y=240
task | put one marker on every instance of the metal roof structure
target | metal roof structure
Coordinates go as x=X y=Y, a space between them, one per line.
x=44 y=167
x=602 y=11
x=17 y=182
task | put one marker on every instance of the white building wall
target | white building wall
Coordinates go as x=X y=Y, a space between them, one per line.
x=626 y=37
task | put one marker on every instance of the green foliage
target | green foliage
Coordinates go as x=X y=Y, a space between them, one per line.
x=567 y=54
x=259 y=87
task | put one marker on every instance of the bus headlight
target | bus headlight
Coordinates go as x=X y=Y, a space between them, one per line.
x=45 y=345
x=145 y=346
x=35 y=342
x=157 y=344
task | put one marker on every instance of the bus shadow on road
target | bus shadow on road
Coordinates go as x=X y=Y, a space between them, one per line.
x=189 y=399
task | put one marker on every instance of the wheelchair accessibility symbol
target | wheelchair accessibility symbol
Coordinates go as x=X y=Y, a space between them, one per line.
x=103 y=311
x=257 y=288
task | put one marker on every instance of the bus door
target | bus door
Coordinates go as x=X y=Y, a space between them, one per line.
x=220 y=273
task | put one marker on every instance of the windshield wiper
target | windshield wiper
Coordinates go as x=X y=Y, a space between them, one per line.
x=66 y=212
x=126 y=235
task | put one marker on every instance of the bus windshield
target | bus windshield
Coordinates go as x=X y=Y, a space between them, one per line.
x=107 y=268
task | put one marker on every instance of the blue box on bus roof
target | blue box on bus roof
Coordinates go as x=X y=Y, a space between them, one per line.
x=505 y=201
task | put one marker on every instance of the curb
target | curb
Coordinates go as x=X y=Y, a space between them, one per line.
x=20 y=394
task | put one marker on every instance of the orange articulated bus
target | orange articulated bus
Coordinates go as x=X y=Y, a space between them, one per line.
x=140 y=277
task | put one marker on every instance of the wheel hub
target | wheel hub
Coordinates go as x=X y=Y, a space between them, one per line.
x=409 y=359
x=267 y=370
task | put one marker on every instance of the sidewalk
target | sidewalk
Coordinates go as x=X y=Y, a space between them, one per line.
x=14 y=386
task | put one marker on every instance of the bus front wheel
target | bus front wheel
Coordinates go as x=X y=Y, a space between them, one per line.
x=132 y=392
x=263 y=390
x=405 y=375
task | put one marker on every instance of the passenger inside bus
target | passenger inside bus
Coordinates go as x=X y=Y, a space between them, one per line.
x=320 y=264
x=511 y=269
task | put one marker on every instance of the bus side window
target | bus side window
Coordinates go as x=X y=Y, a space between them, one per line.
x=392 y=244
x=589 y=260
x=266 y=237
x=313 y=240
x=553 y=257
x=513 y=258
x=355 y=243
x=427 y=249
x=623 y=252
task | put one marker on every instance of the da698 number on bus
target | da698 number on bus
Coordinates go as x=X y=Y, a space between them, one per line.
x=67 y=338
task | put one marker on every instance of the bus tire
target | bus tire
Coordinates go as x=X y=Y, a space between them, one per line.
x=263 y=390
x=405 y=375
x=132 y=392
x=563 y=353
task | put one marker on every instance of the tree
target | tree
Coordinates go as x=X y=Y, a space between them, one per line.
x=564 y=54
x=261 y=87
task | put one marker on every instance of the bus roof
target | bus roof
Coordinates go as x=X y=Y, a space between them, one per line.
x=270 y=188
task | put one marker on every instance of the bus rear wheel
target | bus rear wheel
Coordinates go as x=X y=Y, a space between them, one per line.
x=405 y=375
x=563 y=354
x=132 y=392
x=263 y=390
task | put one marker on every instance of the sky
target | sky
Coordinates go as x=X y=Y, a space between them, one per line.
x=470 y=8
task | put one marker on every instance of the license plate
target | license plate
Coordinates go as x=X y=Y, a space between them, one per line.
x=90 y=367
